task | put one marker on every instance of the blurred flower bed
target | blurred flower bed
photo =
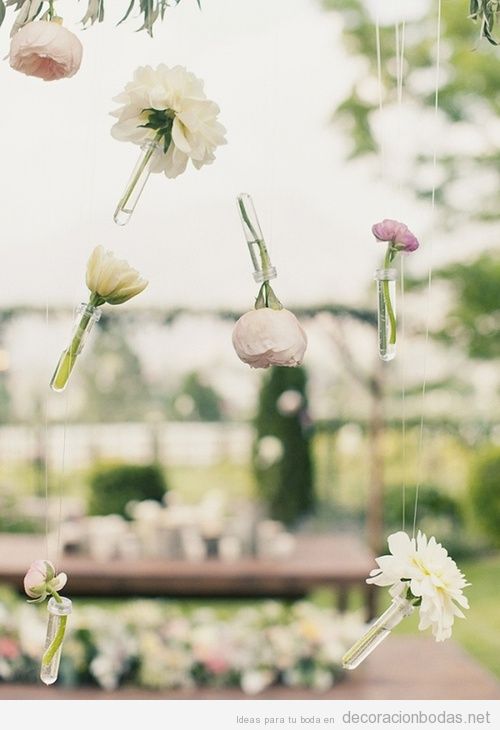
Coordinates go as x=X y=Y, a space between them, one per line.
x=159 y=646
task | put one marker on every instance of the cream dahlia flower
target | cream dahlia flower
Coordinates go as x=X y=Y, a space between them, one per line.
x=422 y=570
x=265 y=336
x=112 y=280
x=169 y=105
x=45 y=49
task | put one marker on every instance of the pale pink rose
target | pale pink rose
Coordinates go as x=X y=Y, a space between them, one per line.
x=41 y=579
x=47 y=50
x=265 y=337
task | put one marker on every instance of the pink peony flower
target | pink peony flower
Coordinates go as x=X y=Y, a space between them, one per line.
x=265 y=337
x=41 y=580
x=46 y=49
x=396 y=233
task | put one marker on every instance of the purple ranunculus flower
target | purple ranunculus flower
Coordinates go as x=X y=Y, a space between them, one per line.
x=397 y=234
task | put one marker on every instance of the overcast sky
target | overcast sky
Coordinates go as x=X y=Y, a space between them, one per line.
x=277 y=70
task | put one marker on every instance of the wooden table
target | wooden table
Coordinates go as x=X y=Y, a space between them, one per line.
x=338 y=561
x=403 y=668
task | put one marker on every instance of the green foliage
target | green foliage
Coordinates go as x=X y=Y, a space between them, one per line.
x=432 y=502
x=282 y=452
x=468 y=95
x=484 y=485
x=112 y=486
x=473 y=321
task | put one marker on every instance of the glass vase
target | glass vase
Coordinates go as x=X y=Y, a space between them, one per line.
x=151 y=150
x=59 y=610
x=263 y=269
x=386 y=313
x=86 y=316
x=380 y=629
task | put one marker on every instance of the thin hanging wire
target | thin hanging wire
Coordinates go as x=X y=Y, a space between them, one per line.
x=429 y=280
x=399 y=31
x=46 y=449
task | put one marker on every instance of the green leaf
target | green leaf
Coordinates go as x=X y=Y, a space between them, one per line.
x=2 y=11
x=129 y=10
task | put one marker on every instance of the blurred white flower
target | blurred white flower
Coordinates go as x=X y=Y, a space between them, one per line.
x=256 y=680
x=169 y=104
x=290 y=402
x=264 y=337
x=270 y=450
x=424 y=568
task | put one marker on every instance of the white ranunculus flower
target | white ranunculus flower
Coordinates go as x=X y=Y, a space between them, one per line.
x=112 y=279
x=424 y=567
x=195 y=132
x=264 y=337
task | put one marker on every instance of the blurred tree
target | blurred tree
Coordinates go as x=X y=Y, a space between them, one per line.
x=197 y=400
x=282 y=451
x=484 y=485
x=473 y=319
x=469 y=103
x=115 y=388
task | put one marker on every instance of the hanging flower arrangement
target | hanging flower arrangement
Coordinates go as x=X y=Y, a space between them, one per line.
x=109 y=280
x=399 y=239
x=166 y=112
x=487 y=13
x=268 y=334
x=41 y=582
x=151 y=11
x=421 y=576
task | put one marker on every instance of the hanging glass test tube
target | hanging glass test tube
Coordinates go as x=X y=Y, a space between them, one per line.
x=399 y=609
x=138 y=179
x=56 y=628
x=86 y=316
x=386 y=303
x=263 y=269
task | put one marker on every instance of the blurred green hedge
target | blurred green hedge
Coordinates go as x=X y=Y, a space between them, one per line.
x=484 y=489
x=113 y=486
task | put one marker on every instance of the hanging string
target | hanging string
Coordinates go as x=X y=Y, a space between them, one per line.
x=429 y=279
x=46 y=449
x=399 y=31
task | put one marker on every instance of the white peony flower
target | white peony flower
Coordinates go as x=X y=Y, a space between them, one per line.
x=424 y=568
x=112 y=280
x=264 y=337
x=169 y=104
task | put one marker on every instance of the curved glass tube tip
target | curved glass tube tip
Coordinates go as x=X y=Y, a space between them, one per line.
x=386 y=313
x=263 y=269
x=56 y=628
x=379 y=630
x=87 y=315
x=138 y=179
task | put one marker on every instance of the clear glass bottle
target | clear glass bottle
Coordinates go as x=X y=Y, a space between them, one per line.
x=151 y=150
x=59 y=610
x=380 y=629
x=386 y=307
x=263 y=269
x=86 y=316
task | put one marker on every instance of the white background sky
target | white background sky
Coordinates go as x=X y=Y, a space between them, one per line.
x=277 y=69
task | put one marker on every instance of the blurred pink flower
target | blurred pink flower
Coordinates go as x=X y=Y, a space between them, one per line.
x=41 y=580
x=396 y=233
x=46 y=49
x=264 y=337
x=8 y=648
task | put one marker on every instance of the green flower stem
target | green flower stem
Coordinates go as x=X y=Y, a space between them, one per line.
x=144 y=163
x=387 y=297
x=68 y=358
x=58 y=639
